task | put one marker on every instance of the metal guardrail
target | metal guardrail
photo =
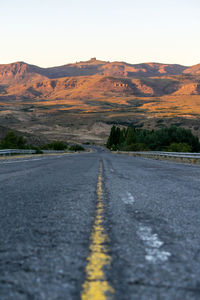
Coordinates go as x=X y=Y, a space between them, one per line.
x=140 y=153
x=16 y=151
x=170 y=154
x=181 y=155
x=25 y=151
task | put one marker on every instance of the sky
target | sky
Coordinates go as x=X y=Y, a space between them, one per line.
x=57 y=32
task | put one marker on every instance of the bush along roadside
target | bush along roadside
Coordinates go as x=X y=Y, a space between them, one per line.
x=172 y=139
x=13 y=141
x=76 y=148
x=56 y=145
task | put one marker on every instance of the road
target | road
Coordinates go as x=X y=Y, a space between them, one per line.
x=99 y=226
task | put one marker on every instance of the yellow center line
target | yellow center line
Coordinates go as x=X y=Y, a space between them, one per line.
x=96 y=287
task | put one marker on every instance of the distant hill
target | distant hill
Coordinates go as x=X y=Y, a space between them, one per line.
x=22 y=71
x=96 y=77
x=194 y=70
x=43 y=100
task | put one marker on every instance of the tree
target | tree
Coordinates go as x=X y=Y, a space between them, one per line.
x=130 y=136
x=11 y=140
x=177 y=138
x=114 y=137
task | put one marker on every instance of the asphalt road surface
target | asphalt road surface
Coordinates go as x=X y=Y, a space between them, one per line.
x=99 y=226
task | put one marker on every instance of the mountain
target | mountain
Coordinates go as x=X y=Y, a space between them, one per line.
x=19 y=72
x=194 y=70
x=48 y=100
x=94 y=78
x=22 y=71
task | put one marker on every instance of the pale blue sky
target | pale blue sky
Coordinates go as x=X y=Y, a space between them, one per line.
x=56 y=32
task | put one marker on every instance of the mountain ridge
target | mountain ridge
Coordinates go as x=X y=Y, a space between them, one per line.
x=94 y=77
x=96 y=67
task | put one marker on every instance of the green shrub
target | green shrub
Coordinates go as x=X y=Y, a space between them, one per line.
x=56 y=145
x=38 y=151
x=12 y=141
x=76 y=148
x=179 y=147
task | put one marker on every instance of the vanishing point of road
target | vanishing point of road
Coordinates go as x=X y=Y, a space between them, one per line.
x=97 y=226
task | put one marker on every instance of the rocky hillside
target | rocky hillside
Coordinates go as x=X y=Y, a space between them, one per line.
x=194 y=70
x=80 y=101
x=96 y=78
x=22 y=71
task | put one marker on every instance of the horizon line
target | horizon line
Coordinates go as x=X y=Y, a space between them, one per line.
x=98 y=60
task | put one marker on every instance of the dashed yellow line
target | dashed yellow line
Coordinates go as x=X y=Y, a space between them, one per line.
x=96 y=287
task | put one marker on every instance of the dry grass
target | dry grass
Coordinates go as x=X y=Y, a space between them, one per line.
x=73 y=113
x=175 y=106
